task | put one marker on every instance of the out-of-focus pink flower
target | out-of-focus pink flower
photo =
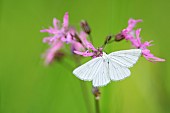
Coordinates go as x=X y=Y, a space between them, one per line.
x=68 y=35
x=63 y=33
x=60 y=34
x=51 y=53
x=136 y=42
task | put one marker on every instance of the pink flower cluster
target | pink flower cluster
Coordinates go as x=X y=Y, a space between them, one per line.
x=134 y=37
x=60 y=35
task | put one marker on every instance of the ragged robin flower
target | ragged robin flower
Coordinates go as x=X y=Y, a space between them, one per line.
x=128 y=32
x=136 y=42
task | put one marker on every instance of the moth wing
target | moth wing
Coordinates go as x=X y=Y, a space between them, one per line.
x=101 y=76
x=85 y=71
x=126 y=58
x=95 y=70
x=120 y=61
x=117 y=72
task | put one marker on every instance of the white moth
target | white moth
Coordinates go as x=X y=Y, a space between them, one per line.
x=114 y=66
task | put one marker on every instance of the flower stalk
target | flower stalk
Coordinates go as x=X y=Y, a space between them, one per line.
x=96 y=94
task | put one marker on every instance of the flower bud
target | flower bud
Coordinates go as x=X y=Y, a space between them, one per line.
x=85 y=26
x=96 y=93
x=119 y=37
x=108 y=38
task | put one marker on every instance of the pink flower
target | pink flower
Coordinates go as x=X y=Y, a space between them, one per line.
x=128 y=32
x=76 y=46
x=132 y=23
x=136 y=42
x=98 y=52
x=90 y=49
x=63 y=33
x=85 y=42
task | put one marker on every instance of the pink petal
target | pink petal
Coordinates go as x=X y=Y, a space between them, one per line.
x=55 y=23
x=132 y=23
x=126 y=35
x=66 y=20
x=83 y=36
x=129 y=37
x=87 y=44
x=76 y=46
x=138 y=33
x=46 y=30
x=72 y=31
x=90 y=46
x=50 y=30
x=85 y=54
x=135 y=42
x=46 y=39
x=69 y=38
x=150 y=57
x=146 y=44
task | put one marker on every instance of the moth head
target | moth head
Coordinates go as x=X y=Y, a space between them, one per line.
x=104 y=55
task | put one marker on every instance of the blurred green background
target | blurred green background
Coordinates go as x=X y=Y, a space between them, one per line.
x=26 y=86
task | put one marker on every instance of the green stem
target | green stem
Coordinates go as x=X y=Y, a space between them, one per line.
x=97 y=105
